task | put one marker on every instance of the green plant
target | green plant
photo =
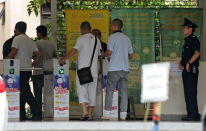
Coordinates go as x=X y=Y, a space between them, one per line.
x=28 y=112
x=104 y=4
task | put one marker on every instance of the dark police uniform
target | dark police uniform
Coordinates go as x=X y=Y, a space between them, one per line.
x=190 y=79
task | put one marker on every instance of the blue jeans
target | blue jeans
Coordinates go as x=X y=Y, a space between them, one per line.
x=38 y=83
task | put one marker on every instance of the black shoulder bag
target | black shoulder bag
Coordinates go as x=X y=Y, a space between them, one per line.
x=84 y=74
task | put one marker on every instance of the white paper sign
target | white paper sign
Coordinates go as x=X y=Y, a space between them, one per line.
x=12 y=83
x=175 y=71
x=155 y=82
x=61 y=96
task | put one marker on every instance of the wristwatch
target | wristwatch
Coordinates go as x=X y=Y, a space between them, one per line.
x=188 y=63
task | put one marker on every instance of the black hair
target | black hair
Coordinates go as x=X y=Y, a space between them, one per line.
x=193 y=29
x=97 y=32
x=21 y=26
x=85 y=25
x=42 y=29
x=118 y=22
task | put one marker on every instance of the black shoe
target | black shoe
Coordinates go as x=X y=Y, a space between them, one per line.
x=24 y=118
x=36 y=118
x=190 y=119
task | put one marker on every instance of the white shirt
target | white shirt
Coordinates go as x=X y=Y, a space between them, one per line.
x=85 y=46
x=26 y=47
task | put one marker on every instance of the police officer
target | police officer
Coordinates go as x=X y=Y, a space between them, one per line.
x=189 y=64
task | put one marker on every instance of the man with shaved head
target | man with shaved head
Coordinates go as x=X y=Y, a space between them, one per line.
x=120 y=49
x=84 y=47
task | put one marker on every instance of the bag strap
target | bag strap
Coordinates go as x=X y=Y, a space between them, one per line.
x=93 y=51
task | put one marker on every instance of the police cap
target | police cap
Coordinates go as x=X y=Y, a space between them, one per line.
x=189 y=23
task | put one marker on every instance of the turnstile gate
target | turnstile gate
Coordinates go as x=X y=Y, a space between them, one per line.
x=56 y=90
x=10 y=71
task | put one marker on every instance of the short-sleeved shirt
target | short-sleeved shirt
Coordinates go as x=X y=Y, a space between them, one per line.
x=85 y=46
x=26 y=47
x=7 y=46
x=121 y=47
x=104 y=46
x=47 y=50
x=191 y=45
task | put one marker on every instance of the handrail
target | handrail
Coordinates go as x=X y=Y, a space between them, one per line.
x=29 y=69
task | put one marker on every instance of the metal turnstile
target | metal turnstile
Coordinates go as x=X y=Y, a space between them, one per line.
x=56 y=90
x=10 y=71
x=98 y=110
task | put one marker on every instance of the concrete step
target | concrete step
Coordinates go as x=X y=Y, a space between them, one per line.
x=103 y=126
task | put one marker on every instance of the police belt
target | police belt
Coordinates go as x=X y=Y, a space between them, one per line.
x=195 y=63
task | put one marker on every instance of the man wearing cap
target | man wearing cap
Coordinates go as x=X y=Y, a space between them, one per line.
x=189 y=64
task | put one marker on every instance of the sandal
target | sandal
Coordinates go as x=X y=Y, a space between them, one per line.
x=90 y=119
x=84 y=118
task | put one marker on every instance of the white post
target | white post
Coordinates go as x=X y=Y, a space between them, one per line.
x=54 y=22
x=203 y=46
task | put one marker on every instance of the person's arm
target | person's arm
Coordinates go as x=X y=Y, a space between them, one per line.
x=36 y=58
x=6 y=49
x=130 y=56
x=180 y=66
x=54 y=52
x=107 y=53
x=12 y=53
x=194 y=57
x=71 y=53
x=130 y=52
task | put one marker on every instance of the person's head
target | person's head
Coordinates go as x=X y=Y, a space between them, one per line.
x=20 y=28
x=186 y=30
x=116 y=24
x=85 y=27
x=97 y=33
x=15 y=33
x=188 y=27
x=41 y=32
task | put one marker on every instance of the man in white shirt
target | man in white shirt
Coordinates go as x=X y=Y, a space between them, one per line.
x=84 y=47
x=23 y=48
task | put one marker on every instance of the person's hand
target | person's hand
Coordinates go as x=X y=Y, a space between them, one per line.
x=180 y=66
x=102 y=54
x=61 y=61
x=188 y=67
x=108 y=58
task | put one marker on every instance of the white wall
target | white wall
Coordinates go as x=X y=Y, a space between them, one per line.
x=16 y=10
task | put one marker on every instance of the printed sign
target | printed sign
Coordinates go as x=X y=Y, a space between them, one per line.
x=98 y=19
x=12 y=84
x=155 y=82
x=172 y=39
x=61 y=96
x=138 y=25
